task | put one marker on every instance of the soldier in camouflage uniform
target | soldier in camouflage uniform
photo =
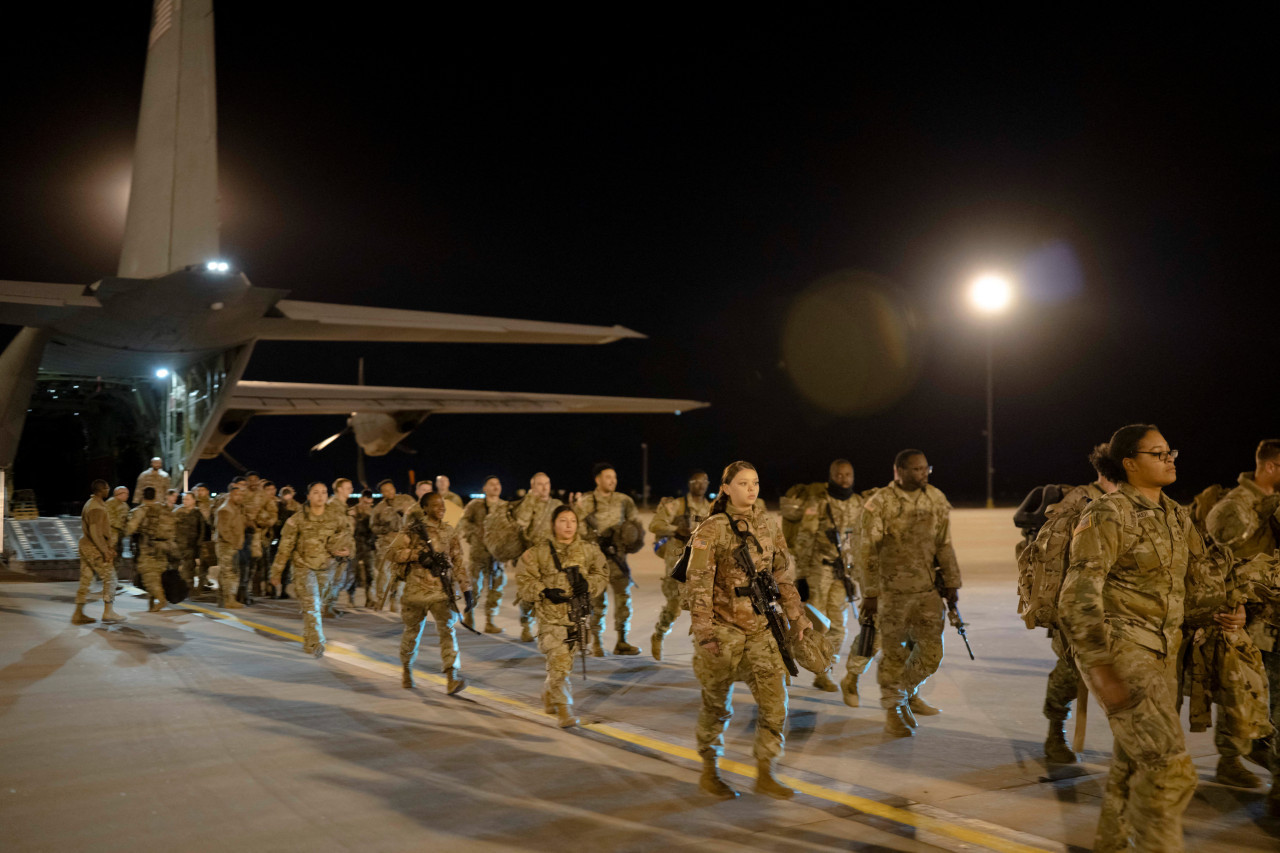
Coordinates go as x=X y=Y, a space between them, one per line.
x=229 y=542
x=675 y=520
x=207 y=554
x=533 y=514
x=731 y=641
x=155 y=476
x=542 y=580
x=1247 y=520
x=259 y=516
x=366 y=544
x=385 y=522
x=487 y=574
x=286 y=506
x=822 y=514
x=156 y=529
x=442 y=489
x=906 y=531
x=312 y=540
x=189 y=533
x=423 y=591
x=97 y=556
x=118 y=512
x=1121 y=610
x=337 y=578
x=602 y=512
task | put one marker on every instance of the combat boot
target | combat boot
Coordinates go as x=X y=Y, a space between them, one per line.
x=908 y=717
x=624 y=648
x=231 y=604
x=655 y=646
x=547 y=704
x=526 y=636
x=1232 y=772
x=1056 y=748
x=1260 y=754
x=78 y=618
x=597 y=647
x=110 y=615
x=824 y=683
x=768 y=784
x=318 y=651
x=567 y=719
x=895 y=724
x=456 y=683
x=156 y=604
x=849 y=690
x=469 y=619
x=406 y=677
x=923 y=708
x=490 y=628
x=711 y=782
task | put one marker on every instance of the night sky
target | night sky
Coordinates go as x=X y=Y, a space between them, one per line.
x=693 y=179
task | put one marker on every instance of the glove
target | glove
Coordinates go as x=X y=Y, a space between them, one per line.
x=869 y=606
x=469 y=599
x=952 y=595
x=556 y=595
x=580 y=586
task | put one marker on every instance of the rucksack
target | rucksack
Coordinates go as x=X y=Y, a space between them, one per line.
x=792 y=504
x=1205 y=501
x=502 y=535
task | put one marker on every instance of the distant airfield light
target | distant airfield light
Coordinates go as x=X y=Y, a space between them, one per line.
x=162 y=373
x=217 y=306
x=677 y=411
x=990 y=293
x=217 y=266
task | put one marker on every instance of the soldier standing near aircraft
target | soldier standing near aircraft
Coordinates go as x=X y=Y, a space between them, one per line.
x=675 y=520
x=312 y=540
x=424 y=551
x=603 y=511
x=336 y=578
x=366 y=546
x=542 y=575
x=385 y=522
x=1121 y=610
x=190 y=533
x=825 y=514
x=732 y=642
x=906 y=527
x=155 y=528
x=486 y=573
x=207 y=554
x=533 y=514
x=118 y=512
x=442 y=489
x=154 y=476
x=97 y=556
x=229 y=542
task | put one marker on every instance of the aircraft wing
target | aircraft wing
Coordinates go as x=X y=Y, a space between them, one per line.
x=34 y=303
x=294 y=320
x=297 y=398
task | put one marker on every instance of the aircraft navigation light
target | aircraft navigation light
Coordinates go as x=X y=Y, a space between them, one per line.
x=217 y=266
x=162 y=373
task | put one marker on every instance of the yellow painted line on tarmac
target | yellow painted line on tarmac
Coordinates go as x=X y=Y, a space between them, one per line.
x=915 y=820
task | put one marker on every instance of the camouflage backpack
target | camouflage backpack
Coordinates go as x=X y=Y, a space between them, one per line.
x=502 y=535
x=1042 y=566
x=792 y=507
x=1205 y=501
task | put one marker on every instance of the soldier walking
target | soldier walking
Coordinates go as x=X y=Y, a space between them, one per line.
x=603 y=512
x=533 y=514
x=385 y=522
x=229 y=543
x=155 y=528
x=189 y=534
x=486 y=573
x=674 y=521
x=154 y=476
x=97 y=556
x=312 y=540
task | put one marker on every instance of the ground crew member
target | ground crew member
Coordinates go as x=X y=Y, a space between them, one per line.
x=906 y=527
x=675 y=520
x=487 y=574
x=1121 y=610
x=97 y=556
x=156 y=529
x=312 y=540
x=543 y=579
x=731 y=641
x=385 y=522
x=154 y=476
x=424 y=593
x=602 y=513
x=442 y=489
x=229 y=542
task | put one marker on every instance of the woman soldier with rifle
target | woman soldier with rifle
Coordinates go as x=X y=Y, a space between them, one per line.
x=745 y=612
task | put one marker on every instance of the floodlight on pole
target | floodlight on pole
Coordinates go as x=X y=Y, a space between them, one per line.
x=162 y=373
x=990 y=294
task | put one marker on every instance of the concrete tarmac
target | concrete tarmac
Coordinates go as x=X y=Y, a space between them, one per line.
x=204 y=729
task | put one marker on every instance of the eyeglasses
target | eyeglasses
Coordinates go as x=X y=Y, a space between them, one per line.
x=1162 y=455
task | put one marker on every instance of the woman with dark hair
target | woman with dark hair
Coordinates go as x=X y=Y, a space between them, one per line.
x=543 y=578
x=1121 y=607
x=731 y=641
x=311 y=540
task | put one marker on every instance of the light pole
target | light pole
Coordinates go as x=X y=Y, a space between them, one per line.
x=990 y=294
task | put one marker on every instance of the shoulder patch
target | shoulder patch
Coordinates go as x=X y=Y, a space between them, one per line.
x=811 y=510
x=699 y=544
x=1086 y=521
x=1144 y=513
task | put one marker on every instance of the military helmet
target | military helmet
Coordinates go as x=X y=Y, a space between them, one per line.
x=630 y=536
x=814 y=652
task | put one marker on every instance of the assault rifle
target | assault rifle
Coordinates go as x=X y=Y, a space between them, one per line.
x=612 y=552
x=763 y=591
x=864 y=646
x=579 y=606
x=953 y=612
x=441 y=568
x=840 y=565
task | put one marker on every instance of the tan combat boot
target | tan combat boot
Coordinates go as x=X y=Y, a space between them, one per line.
x=849 y=690
x=624 y=648
x=456 y=683
x=547 y=704
x=78 y=618
x=567 y=719
x=154 y=604
x=490 y=628
x=768 y=784
x=526 y=636
x=923 y=708
x=597 y=647
x=110 y=615
x=406 y=677
x=908 y=717
x=318 y=651
x=1232 y=772
x=824 y=683
x=711 y=781
x=655 y=645
x=895 y=724
x=1056 y=748
x=469 y=619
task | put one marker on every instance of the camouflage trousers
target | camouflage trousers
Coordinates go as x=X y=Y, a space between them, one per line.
x=1225 y=668
x=488 y=577
x=414 y=612
x=620 y=589
x=553 y=642
x=385 y=586
x=910 y=628
x=208 y=559
x=309 y=589
x=150 y=566
x=362 y=570
x=528 y=619
x=671 y=609
x=856 y=665
x=1152 y=778
x=1064 y=680
x=753 y=658
x=337 y=577
x=228 y=572
x=827 y=596
x=93 y=563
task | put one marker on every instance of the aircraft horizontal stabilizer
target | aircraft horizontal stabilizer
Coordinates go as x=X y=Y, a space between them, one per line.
x=297 y=398
x=320 y=321
x=34 y=303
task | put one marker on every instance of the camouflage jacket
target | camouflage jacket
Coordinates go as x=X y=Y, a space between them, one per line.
x=156 y=527
x=1127 y=577
x=453 y=498
x=534 y=516
x=808 y=511
x=903 y=535
x=420 y=585
x=600 y=514
x=471 y=527
x=1246 y=519
x=310 y=541
x=95 y=527
x=158 y=480
x=536 y=571
x=365 y=540
x=664 y=524
x=714 y=575
x=230 y=525
x=339 y=509
x=190 y=526
x=118 y=512
x=1075 y=499
x=388 y=516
